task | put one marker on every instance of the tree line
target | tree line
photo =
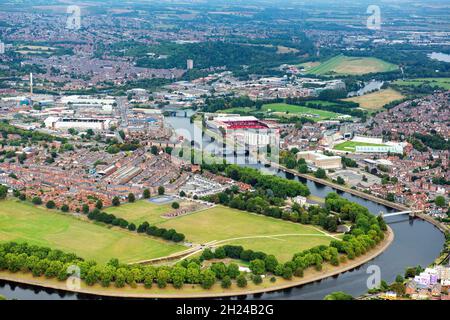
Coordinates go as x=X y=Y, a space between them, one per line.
x=42 y=261
x=264 y=202
x=280 y=187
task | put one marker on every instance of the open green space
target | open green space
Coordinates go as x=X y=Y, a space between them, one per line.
x=376 y=100
x=443 y=83
x=238 y=110
x=314 y=114
x=352 y=66
x=21 y=221
x=252 y=231
x=350 y=146
x=141 y=211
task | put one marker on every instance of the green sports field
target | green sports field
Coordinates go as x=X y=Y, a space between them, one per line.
x=350 y=146
x=317 y=114
x=24 y=222
x=256 y=232
x=352 y=66
x=141 y=211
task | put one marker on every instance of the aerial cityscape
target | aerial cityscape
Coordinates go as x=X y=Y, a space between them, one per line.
x=214 y=149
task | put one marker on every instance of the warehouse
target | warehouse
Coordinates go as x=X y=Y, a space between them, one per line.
x=320 y=160
x=59 y=123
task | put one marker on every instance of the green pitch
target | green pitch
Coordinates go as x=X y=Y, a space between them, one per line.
x=24 y=222
x=314 y=114
x=252 y=231
x=350 y=146
x=352 y=66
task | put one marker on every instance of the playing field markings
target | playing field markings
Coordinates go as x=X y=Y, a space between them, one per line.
x=324 y=234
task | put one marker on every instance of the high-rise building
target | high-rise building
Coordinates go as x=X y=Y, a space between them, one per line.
x=190 y=64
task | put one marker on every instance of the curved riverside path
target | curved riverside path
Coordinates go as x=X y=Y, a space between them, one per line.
x=216 y=292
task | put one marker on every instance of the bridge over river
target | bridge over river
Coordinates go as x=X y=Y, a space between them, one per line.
x=411 y=213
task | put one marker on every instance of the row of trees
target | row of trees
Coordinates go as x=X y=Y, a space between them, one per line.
x=145 y=227
x=280 y=187
x=42 y=261
x=264 y=202
x=367 y=231
x=170 y=234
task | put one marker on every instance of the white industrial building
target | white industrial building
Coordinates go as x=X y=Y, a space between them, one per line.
x=104 y=105
x=60 y=123
x=389 y=147
x=320 y=160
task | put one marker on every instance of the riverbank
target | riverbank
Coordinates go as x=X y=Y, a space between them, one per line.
x=336 y=186
x=192 y=291
x=441 y=226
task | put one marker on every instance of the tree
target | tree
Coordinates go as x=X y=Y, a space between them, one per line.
x=131 y=197
x=132 y=227
x=338 y=295
x=270 y=263
x=303 y=168
x=99 y=204
x=175 y=205
x=85 y=208
x=257 y=266
x=399 y=279
x=220 y=253
x=390 y=197
x=116 y=201
x=233 y=270
x=226 y=282
x=3 y=191
x=287 y=273
x=241 y=281
x=340 y=180
x=154 y=150
x=208 y=279
x=50 y=204
x=398 y=287
x=64 y=208
x=182 y=194
x=178 y=237
x=161 y=190
x=320 y=173
x=207 y=254
x=162 y=277
x=178 y=275
x=146 y=194
x=36 y=201
x=440 y=201
x=257 y=279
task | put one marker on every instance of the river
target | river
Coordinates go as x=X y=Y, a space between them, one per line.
x=439 y=56
x=370 y=86
x=416 y=243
